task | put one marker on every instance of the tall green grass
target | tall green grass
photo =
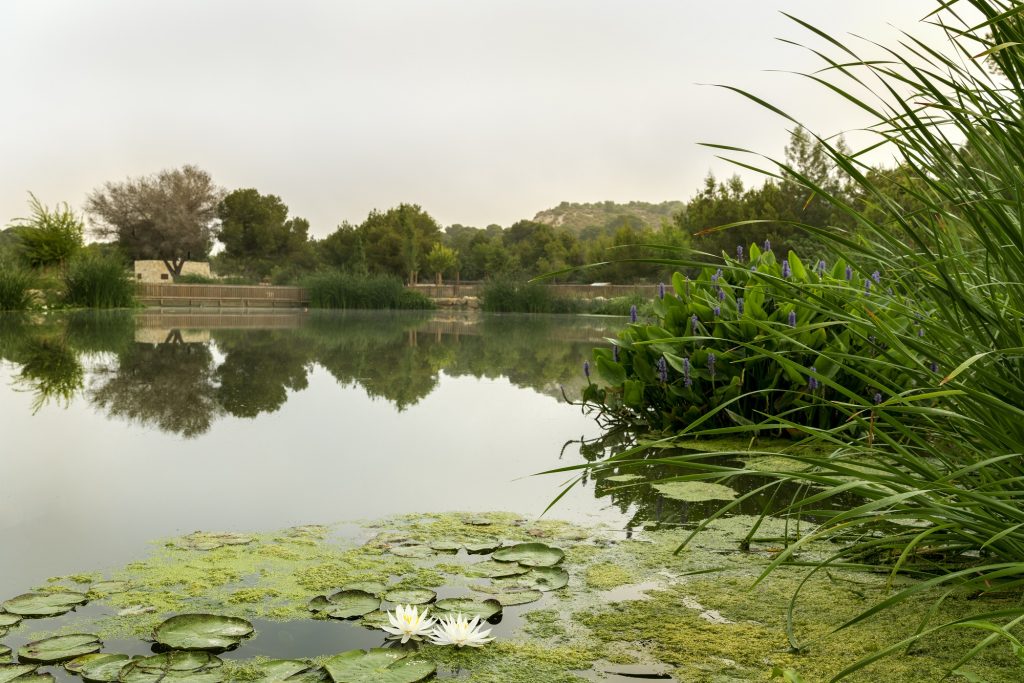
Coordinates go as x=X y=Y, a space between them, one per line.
x=943 y=493
x=15 y=286
x=98 y=281
x=337 y=289
x=502 y=295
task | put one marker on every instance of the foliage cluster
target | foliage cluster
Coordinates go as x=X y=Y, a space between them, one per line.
x=49 y=236
x=507 y=295
x=95 y=280
x=337 y=289
x=15 y=286
x=755 y=339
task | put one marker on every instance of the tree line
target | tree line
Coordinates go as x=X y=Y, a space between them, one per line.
x=179 y=215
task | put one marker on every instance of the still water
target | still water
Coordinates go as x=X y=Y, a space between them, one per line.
x=122 y=428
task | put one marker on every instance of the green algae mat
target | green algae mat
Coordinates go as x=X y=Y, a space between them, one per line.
x=563 y=602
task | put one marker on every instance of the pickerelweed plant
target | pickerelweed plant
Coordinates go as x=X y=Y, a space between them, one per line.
x=759 y=338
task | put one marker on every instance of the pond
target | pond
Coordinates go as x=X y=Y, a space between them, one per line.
x=127 y=427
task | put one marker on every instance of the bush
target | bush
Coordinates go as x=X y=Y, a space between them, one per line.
x=97 y=281
x=343 y=290
x=196 y=279
x=511 y=296
x=50 y=236
x=15 y=287
x=752 y=341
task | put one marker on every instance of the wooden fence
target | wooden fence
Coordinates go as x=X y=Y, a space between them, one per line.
x=220 y=296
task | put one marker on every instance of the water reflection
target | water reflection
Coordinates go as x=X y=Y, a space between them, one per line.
x=181 y=372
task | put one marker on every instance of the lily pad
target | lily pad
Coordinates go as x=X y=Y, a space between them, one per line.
x=7 y=622
x=202 y=632
x=530 y=555
x=694 y=491
x=291 y=670
x=482 y=547
x=59 y=648
x=109 y=587
x=44 y=604
x=377 y=666
x=541 y=579
x=345 y=604
x=5 y=652
x=373 y=587
x=98 y=668
x=418 y=552
x=194 y=667
x=410 y=596
x=375 y=619
x=510 y=598
x=489 y=569
x=14 y=672
x=470 y=607
x=205 y=540
x=446 y=546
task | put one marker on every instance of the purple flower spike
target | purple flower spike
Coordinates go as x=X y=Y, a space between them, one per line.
x=739 y=252
x=920 y=332
x=586 y=369
x=662 y=369
x=934 y=367
x=878 y=398
x=661 y=290
x=686 y=373
x=888 y=290
x=739 y=305
x=877 y=277
x=812 y=383
x=615 y=353
x=711 y=364
x=767 y=245
x=849 y=273
x=632 y=313
x=821 y=267
x=787 y=272
x=694 y=322
x=721 y=294
x=867 y=286
x=792 y=318
x=717 y=311
x=718 y=274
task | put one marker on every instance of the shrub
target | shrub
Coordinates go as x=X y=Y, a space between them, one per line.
x=49 y=236
x=511 y=296
x=336 y=289
x=15 y=287
x=98 y=281
x=751 y=341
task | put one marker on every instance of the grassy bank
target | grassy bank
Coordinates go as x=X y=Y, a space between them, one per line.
x=343 y=290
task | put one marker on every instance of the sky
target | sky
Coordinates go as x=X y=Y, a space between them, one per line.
x=480 y=111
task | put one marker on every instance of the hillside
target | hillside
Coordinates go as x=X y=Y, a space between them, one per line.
x=601 y=216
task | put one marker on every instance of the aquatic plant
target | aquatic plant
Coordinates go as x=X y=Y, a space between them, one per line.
x=98 y=281
x=15 y=285
x=459 y=631
x=505 y=295
x=408 y=623
x=339 y=289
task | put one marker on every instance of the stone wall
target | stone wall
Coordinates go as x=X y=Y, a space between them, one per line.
x=156 y=271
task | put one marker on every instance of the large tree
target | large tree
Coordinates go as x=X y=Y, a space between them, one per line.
x=169 y=216
x=257 y=233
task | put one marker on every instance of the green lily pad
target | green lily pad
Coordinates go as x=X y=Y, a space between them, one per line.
x=623 y=478
x=98 y=668
x=202 y=632
x=7 y=622
x=290 y=670
x=410 y=596
x=510 y=598
x=418 y=552
x=446 y=546
x=205 y=540
x=59 y=648
x=470 y=607
x=489 y=569
x=194 y=667
x=482 y=547
x=530 y=555
x=545 y=579
x=694 y=491
x=373 y=587
x=345 y=604
x=109 y=587
x=5 y=652
x=14 y=672
x=375 y=619
x=44 y=604
x=377 y=666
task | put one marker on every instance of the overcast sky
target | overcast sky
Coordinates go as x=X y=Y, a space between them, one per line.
x=481 y=111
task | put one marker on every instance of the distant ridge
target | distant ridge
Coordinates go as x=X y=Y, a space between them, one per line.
x=607 y=216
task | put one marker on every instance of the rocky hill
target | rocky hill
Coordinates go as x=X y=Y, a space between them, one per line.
x=599 y=216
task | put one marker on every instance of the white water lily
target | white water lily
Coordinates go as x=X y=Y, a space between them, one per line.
x=459 y=631
x=408 y=624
